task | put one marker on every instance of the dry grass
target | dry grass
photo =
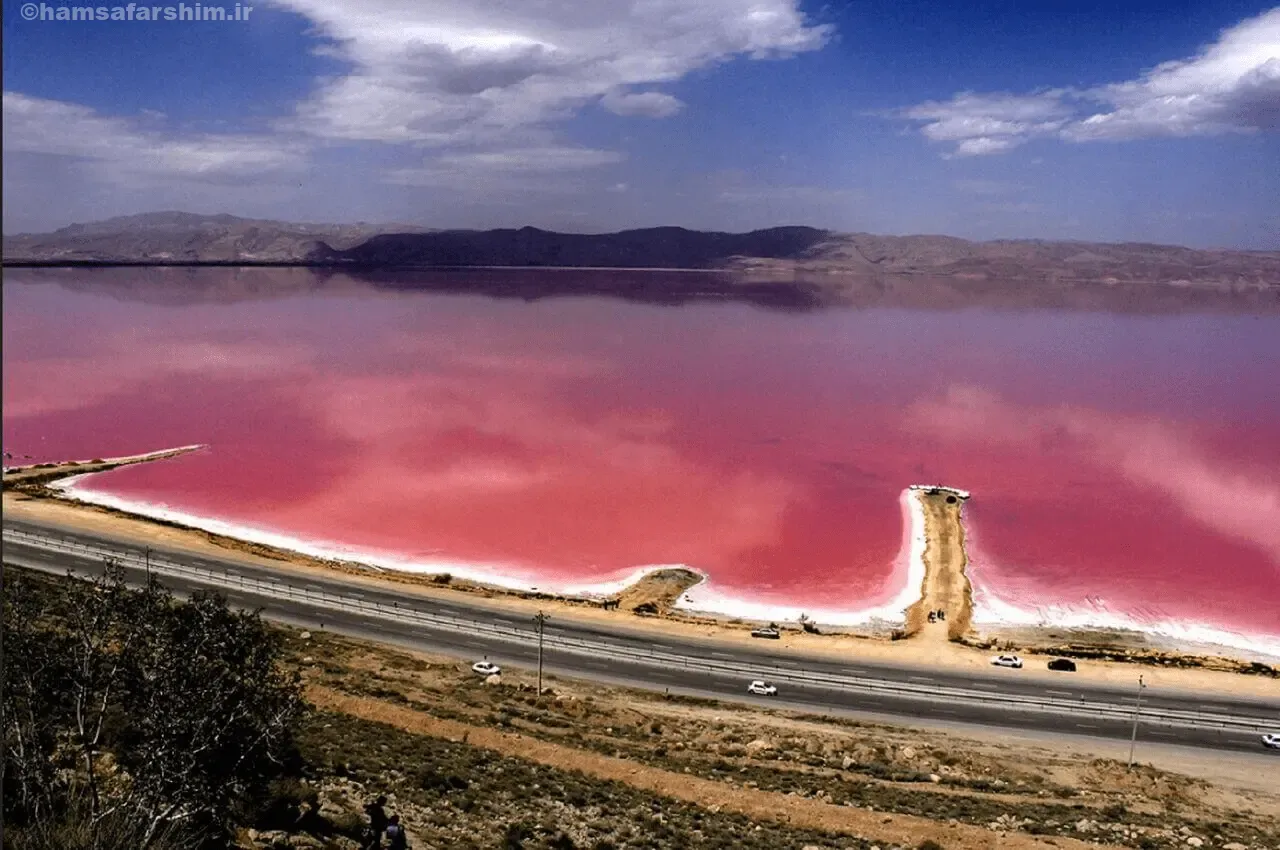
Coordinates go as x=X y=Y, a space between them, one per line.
x=816 y=773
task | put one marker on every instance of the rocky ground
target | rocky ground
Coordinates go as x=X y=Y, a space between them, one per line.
x=473 y=763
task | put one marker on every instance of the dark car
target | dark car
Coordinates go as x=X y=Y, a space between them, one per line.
x=1064 y=664
x=773 y=634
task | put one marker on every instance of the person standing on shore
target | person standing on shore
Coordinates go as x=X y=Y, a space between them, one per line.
x=377 y=822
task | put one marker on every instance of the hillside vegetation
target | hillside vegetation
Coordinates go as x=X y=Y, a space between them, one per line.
x=218 y=731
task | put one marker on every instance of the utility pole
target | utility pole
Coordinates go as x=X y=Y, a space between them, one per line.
x=541 y=620
x=1137 y=709
x=146 y=553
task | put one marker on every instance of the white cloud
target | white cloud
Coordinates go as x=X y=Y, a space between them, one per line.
x=1231 y=86
x=120 y=150
x=990 y=123
x=549 y=158
x=479 y=171
x=649 y=104
x=462 y=71
x=481 y=84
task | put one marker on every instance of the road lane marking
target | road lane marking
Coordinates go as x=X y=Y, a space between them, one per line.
x=1085 y=726
x=920 y=679
x=1060 y=693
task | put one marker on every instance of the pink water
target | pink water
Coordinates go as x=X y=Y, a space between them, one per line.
x=1123 y=468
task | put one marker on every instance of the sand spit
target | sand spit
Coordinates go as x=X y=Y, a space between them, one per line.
x=650 y=603
x=44 y=473
x=946 y=585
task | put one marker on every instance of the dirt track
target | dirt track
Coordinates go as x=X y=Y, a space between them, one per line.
x=906 y=830
x=946 y=586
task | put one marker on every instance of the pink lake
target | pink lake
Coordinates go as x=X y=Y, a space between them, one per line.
x=1125 y=469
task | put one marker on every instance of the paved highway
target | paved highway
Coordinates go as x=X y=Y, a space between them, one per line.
x=1001 y=698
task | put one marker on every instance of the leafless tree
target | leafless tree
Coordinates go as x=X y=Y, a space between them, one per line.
x=161 y=715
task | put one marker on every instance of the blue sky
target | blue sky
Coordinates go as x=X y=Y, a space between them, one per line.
x=1062 y=120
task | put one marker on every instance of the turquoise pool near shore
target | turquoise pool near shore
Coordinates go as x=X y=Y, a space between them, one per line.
x=1125 y=469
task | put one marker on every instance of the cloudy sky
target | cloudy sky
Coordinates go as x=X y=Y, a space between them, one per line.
x=1077 y=119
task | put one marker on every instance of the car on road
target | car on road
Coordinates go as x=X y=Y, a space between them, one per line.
x=771 y=633
x=1007 y=661
x=1064 y=664
x=487 y=668
x=762 y=688
x=1271 y=741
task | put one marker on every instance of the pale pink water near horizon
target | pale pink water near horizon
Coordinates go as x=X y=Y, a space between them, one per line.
x=1125 y=469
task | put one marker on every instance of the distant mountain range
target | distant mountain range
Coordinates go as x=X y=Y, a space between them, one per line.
x=177 y=238
x=778 y=254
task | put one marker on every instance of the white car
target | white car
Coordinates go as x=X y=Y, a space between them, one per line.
x=762 y=688
x=1271 y=741
x=486 y=668
x=1007 y=661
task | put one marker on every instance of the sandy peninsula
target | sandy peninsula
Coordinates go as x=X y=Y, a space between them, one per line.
x=650 y=603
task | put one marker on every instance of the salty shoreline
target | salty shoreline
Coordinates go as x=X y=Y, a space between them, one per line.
x=705 y=600
x=35 y=493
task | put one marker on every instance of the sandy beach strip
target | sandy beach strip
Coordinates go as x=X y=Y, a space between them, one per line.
x=63 y=470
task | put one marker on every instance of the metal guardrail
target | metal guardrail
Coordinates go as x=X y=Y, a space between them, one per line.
x=319 y=597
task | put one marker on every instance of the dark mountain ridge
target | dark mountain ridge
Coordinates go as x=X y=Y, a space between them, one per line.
x=649 y=248
x=778 y=254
